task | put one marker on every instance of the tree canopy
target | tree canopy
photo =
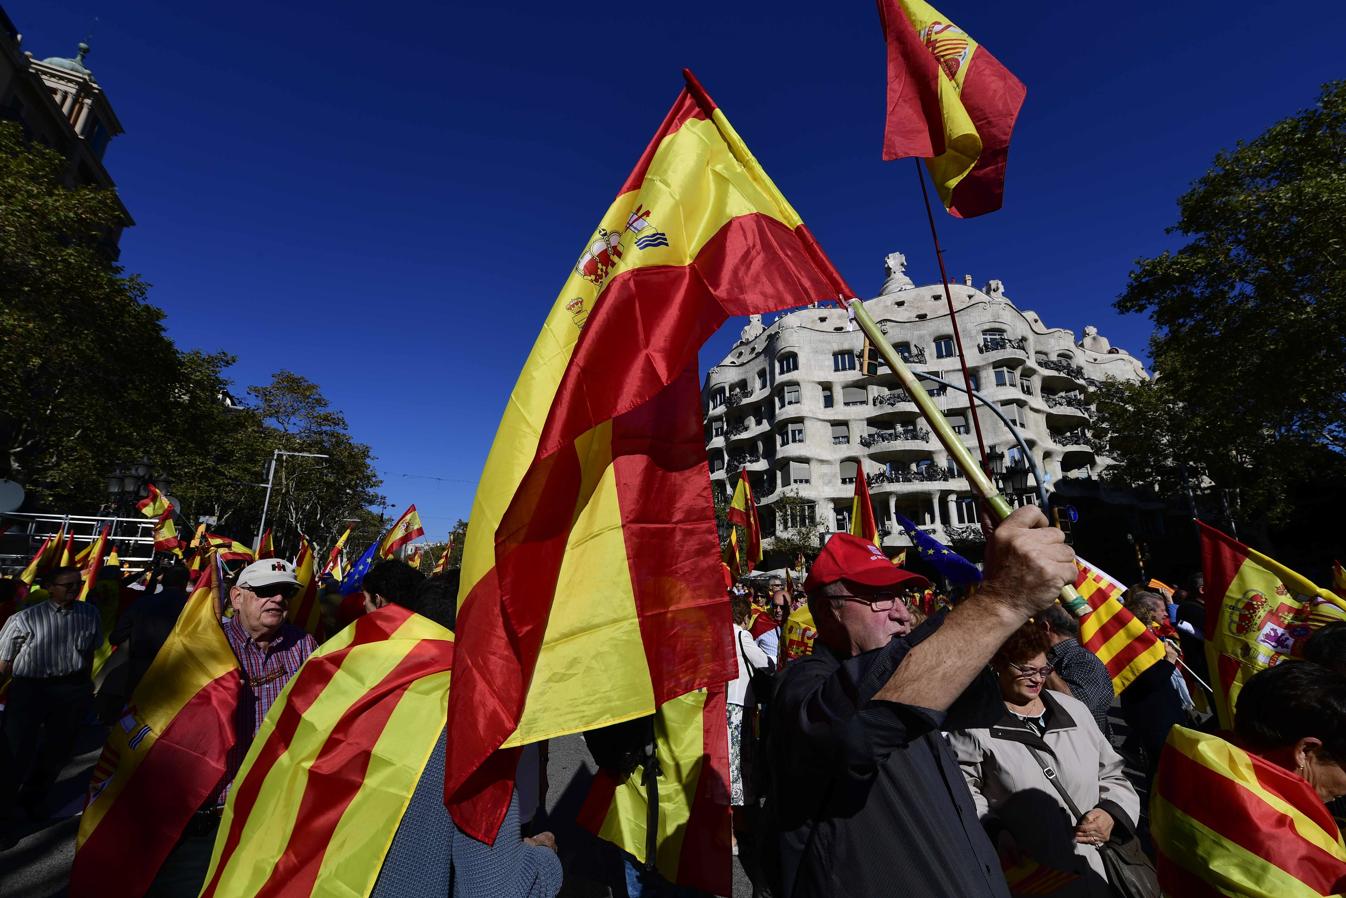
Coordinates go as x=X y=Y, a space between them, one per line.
x=1250 y=325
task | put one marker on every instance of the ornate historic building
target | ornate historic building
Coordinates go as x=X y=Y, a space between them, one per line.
x=59 y=103
x=792 y=405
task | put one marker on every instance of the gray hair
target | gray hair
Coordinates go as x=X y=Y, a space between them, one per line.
x=1060 y=621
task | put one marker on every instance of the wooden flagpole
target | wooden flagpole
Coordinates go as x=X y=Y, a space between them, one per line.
x=953 y=318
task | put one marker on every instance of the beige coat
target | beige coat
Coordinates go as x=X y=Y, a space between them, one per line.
x=1011 y=791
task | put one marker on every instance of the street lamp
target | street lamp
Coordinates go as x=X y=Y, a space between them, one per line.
x=270 y=478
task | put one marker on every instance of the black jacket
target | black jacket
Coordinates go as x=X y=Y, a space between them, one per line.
x=866 y=798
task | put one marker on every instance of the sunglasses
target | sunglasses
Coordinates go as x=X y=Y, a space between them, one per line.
x=280 y=590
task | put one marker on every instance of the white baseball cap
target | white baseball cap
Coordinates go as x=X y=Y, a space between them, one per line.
x=268 y=572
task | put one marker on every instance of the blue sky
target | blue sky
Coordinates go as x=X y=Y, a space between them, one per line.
x=387 y=197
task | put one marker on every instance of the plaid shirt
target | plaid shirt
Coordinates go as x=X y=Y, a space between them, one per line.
x=1087 y=678
x=265 y=671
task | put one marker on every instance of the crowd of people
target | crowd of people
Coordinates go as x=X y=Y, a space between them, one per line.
x=882 y=739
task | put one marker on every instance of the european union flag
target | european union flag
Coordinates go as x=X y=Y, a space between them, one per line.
x=355 y=577
x=950 y=565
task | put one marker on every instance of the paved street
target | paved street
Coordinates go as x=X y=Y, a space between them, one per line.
x=38 y=866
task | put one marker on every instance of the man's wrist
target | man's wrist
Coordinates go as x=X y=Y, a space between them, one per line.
x=997 y=605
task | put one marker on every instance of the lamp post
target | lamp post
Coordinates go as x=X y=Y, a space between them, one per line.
x=270 y=479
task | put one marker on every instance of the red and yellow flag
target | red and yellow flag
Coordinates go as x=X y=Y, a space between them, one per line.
x=800 y=633
x=1258 y=613
x=950 y=102
x=163 y=758
x=38 y=564
x=1226 y=822
x=577 y=609
x=1028 y=877
x=1339 y=579
x=265 y=546
x=863 y=524
x=743 y=512
x=305 y=611
x=324 y=785
x=227 y=548
x=761 y=620
x=93 y=562
x=407 y=528
x=66 y=557
x=166 y=534
x=155 y=503
x=692 y=747
x=1126 y=646
x=334 y=557
x=442 y=563
x=414 y=557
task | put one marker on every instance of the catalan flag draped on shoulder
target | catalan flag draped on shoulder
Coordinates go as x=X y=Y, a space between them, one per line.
x=163 y=757
x=692 y=747
x=951 y=103
x=577 y=609
x=1126 y=646
x=1258 y=613
x=863 y=524
x=743 y=513
x=1226 y=822
x=327 y=779
x=407 y=528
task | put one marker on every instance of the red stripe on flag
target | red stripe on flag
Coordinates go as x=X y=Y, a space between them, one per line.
x=1246 y=820
x=598 y=802
x=309 y=683
x=706 y=861
x=992 y=97
x=663 y=487
x=1221 y=558
x=337 y=774
x=1174 y=879
x=1127 y=654
x=148 y=817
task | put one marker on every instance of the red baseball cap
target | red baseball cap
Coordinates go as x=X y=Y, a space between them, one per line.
x=858 y=561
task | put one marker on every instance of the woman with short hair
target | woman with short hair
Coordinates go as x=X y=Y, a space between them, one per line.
x=1045 y=740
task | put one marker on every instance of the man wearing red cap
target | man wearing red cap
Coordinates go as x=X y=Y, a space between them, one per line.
x=866 y=798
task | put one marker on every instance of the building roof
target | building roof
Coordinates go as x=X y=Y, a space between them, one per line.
x=75 y=65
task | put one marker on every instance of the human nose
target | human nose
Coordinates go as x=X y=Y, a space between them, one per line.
x=900 y=612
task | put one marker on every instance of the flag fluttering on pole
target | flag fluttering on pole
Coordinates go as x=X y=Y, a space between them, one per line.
x=1226 y=822
x=415 y=556
x=1258 y=613
x=304 y=610
x=324 y=786
x=163 y=757
x=407 y=528
x=228 y=549
x=577 y=609
x=38 y=564
x=692 y=747
x=66 y=558
x=166 y=534
x=155 y=503
x=951 y=103
x=334 y=557
x=354 y=579
x=1126 y=646
x=442 y=563
x=265 y=546
x=863 y=524
x=950 y=565
x=93 y=562
x=743 y=512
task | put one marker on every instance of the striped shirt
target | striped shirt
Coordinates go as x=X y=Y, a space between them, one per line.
x=49 y=641
x=265 y=671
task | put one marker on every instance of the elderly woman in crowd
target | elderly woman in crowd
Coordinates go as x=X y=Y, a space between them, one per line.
x=1007 y=769
x=1246 y=815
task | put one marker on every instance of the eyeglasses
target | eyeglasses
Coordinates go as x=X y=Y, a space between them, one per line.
x=65 y=584
x=878 y=603
x=1030 y=673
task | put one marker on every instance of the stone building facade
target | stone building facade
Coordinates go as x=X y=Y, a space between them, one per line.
x=792 y=406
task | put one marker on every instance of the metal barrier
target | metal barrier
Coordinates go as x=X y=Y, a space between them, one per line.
x=133 y=538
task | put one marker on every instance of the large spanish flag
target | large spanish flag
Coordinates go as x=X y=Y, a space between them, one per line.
x=591 y=587
x=326 y=782
x=1258 y=613
x=1226 y=822
x=743 y=512
x=1126 y=646
x=163 y=758
x=692 y=747
x=950 y=102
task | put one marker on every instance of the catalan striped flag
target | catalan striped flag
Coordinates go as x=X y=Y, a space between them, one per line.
x=407 y=528
x=692 y=746
x=577 y=609
x=1126 y=646
x=334 y=557
x=863 y=524
x=324 y=785
x=1258 y=613
x=1226 y=822
x=304 y=609
x=442 y=563
x=266 y=546
x=743 y=513
x=950 y=102
x=163 y=757
x=1028 y=877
